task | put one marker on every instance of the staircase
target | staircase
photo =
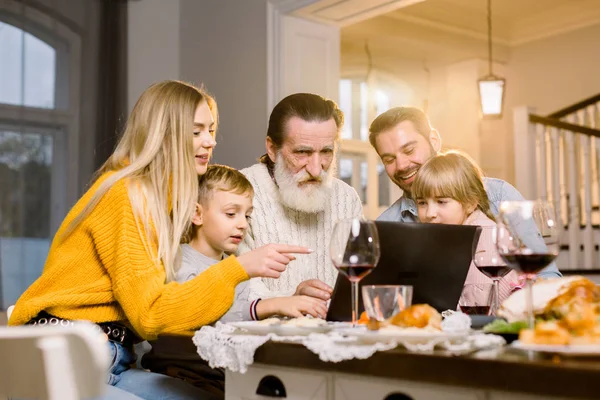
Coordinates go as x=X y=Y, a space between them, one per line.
x=557 y=158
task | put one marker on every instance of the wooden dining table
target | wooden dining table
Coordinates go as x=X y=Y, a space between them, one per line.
x=500 y=373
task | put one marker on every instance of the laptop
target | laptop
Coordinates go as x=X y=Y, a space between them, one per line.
x=433 y=258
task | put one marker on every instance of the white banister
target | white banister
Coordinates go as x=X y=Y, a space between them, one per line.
x=584 y=143
x=555 y=171
x=597 y=182
x=557 y=158
x=542 y=165
x=587 y=203
x=593 y=112
x=596 y=124
x=574 y=219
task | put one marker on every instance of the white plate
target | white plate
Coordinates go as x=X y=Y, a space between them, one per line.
x=409 y=335
x=576 y=350
x=293 y=330
x=256 y=328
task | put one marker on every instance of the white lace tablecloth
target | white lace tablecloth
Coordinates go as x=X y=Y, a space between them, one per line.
x=224 y=346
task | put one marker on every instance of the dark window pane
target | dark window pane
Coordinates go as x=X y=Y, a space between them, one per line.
x=25 y=205
x=25 y=178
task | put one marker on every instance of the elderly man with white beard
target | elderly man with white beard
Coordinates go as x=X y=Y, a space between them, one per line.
x=297 y=199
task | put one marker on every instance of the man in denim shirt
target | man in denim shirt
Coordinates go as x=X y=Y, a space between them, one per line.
x=405 y=140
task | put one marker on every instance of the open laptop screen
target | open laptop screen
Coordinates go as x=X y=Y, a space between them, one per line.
x=433 y=258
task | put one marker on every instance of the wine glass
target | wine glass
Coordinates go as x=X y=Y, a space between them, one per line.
x=489 y=262
x=527 y=238
x=354 y=251
x=475 y=298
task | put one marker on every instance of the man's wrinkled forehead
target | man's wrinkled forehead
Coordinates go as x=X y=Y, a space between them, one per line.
x=317 y=134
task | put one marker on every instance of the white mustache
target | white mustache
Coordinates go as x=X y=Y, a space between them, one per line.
x=303 y=176
x=309 y=198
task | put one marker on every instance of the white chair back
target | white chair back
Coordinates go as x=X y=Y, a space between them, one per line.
x=9 y=311
x=53 y=362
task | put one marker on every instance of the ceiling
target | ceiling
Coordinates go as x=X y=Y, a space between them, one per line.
x=346 y=12
x=514 y=22
x=443 y=31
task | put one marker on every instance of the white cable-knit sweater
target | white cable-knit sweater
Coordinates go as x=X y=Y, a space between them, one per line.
x=272 y=222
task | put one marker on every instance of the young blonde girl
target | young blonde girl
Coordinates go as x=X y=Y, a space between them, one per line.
x=448 y=189
x=112 y=261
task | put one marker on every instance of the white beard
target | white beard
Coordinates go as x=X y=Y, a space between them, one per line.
x=310 y=198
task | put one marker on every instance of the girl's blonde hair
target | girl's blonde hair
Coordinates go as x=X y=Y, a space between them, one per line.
x=455 y=175
x=156 y=156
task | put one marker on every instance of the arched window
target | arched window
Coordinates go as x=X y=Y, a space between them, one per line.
x=27 y=70
x=39 y=70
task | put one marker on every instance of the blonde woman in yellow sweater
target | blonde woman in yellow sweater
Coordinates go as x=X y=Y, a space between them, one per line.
x=113 y=259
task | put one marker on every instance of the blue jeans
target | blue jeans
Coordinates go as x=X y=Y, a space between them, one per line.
x=134 y=384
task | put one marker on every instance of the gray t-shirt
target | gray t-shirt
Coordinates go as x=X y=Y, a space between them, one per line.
x=193 y=263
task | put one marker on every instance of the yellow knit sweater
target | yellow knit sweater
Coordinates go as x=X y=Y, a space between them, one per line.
x=102 y=273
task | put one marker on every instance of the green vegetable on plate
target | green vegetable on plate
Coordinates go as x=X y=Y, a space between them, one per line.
x=501 y=326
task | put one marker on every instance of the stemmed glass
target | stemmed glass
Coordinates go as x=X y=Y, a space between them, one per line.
x=527 y=238
x=354 y=251
x=490 y=263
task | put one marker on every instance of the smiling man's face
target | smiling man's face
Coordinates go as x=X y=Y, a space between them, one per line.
x=403 y=150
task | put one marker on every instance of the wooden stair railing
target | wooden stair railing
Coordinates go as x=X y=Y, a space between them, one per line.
x=557 y=158
x=574 y=108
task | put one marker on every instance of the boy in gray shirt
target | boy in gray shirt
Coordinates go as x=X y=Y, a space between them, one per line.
x=218 y=226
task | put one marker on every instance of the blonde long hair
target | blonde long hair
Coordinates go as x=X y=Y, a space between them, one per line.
x=455 y=175
x=155 y=155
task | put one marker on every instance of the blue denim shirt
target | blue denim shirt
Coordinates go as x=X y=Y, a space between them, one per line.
x=405 y=210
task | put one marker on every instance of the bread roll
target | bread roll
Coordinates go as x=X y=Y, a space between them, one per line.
x=418 y=316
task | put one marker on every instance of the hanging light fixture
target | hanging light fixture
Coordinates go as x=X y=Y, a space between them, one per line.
x=491 y=87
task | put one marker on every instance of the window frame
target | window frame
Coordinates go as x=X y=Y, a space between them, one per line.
x=356 y=148
x=63 y=120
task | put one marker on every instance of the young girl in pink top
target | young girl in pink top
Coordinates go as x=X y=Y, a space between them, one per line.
x=448 y=189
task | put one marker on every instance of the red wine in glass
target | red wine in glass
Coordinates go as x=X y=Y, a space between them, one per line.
x=354 y=251
x=475 y=310
x=529 y=263
x=355 y=272
x=528 y=238
x=494 y=271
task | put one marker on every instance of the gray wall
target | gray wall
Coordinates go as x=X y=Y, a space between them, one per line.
x=224 y=46
x=152 y=45
x=221 y=44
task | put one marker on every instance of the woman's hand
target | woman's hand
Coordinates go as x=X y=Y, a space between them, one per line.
x=271 y=260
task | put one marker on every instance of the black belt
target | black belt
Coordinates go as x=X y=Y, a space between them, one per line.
x=114 y=332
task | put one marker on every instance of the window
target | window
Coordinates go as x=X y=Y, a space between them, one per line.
x=346 y=106
x=38 y=57
x=357 y=156
x=25 y=178
x=27 y=70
